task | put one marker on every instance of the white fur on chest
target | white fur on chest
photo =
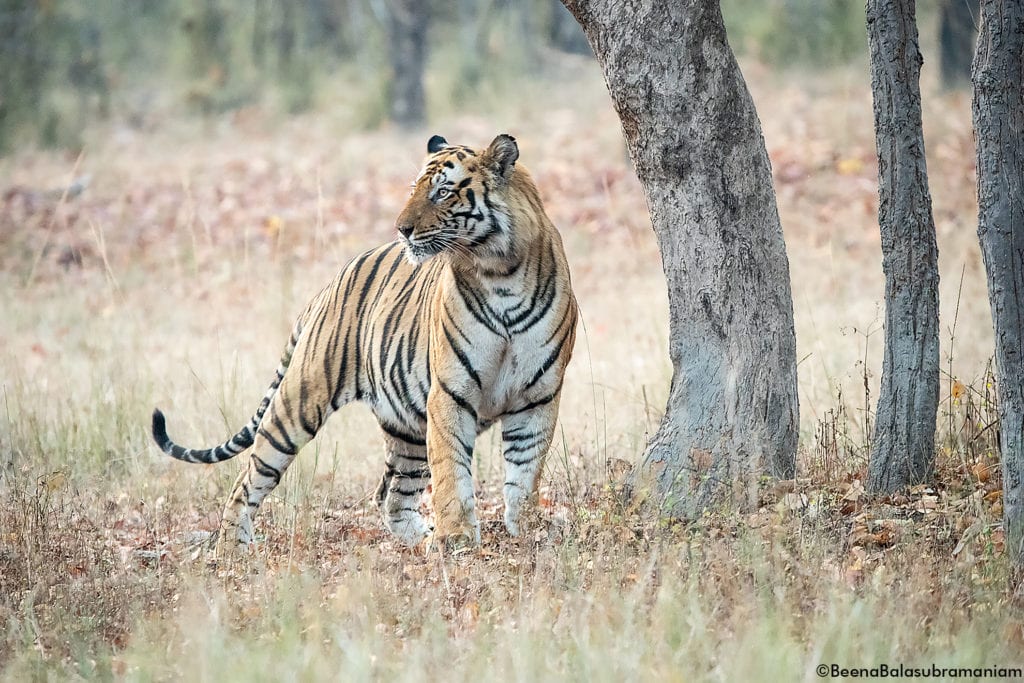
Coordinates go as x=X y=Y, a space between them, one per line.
x=512 y=377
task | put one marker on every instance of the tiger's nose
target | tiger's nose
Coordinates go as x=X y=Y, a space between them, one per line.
x=406 y=230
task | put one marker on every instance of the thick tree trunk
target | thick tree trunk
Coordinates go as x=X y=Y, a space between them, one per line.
x=957 y=30
x=903 y=449
x=695 y=141
x=999 y=136
x=407 y=31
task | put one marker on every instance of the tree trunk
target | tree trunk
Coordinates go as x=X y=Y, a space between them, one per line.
x=695 y=141
x=957 y=30
x=999 y=136
x=903 y=448
x=407 y=30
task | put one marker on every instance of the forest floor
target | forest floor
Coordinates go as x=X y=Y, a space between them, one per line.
x=172 y=279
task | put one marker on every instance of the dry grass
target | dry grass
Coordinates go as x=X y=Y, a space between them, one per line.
x=173 y=280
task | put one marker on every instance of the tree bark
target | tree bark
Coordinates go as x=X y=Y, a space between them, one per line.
x=695 y=141
x=999 y=137
x=903 y=448
x=407 y=30
x=957 y=31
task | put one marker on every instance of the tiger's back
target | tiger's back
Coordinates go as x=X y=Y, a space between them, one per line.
x=466 y=320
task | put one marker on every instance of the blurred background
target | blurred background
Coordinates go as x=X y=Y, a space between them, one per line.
x=68 y=65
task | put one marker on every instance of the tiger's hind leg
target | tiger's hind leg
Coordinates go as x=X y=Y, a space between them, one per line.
x=405 y=478
x=286 y=427
x=267 y=464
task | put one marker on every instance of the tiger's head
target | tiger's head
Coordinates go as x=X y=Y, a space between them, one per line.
x=458 y=203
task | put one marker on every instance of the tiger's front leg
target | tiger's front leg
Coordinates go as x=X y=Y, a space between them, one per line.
x=526 y=436
x=451 y=432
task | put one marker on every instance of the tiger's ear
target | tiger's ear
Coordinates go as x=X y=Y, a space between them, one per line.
x=435 y=144
x=501 y=156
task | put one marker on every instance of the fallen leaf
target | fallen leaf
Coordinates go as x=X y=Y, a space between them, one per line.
x=957 y=390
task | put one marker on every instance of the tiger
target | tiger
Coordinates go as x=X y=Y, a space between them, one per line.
x=468 y=318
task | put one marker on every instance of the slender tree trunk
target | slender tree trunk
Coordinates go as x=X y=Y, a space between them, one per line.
x=407 y=30
x=695 y=141
x=958 y=28
x=903 y=449
x=999 y=136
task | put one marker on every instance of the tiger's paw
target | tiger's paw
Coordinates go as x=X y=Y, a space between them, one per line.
x=233 y=540
x=411 y=532
x=451 y=546
x=456 y=541
x=230 y=549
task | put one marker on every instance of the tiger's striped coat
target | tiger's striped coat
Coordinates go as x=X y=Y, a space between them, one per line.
x=466 y=320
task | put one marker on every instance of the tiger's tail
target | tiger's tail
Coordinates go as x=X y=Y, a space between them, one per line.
x=245 y=436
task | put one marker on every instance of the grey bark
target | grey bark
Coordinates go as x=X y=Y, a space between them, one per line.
x=999 y=138
x=903 y=448
x=407 y=32
x=695 y=141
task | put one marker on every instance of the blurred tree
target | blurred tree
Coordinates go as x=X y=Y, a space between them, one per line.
x=407 y=30
x=958 y=27
x=22 y=65
x=86 y=72
x=475 y=20
x=998 y=127
x=563 y=32
x=209 y=55
x=903 y=448
x=695 y=141
x=815 y=33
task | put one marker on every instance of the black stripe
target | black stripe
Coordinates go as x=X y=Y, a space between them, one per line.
x=361 y=305
x=503 y=273
x=402 y=436
x=370 y=277
x=522 y=448
x=480 y=309
x=288 y=448
x=546 y=290
x=509 y=436
x=522 y=461
x=460 y=401
x=398 y=380
x=406 y=456
x=399 y=258
x=548 y=362
x=539 y=402
x=526 y=326
x=342 y=384
x=461 y=355
x=265 y=469
x=568 y=317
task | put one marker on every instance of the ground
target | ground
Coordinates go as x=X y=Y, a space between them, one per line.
x=163 y=267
